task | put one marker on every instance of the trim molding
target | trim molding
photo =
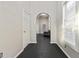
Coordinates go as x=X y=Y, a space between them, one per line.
x=63 y=50
x=19 y=53
x=53 y=42
x=33 y=42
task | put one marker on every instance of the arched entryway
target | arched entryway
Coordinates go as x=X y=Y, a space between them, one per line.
x=43 y=22
x=43 y=25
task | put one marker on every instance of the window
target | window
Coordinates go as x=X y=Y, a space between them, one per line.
x=69 y=19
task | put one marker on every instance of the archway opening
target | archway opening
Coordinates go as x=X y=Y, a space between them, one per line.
x=43 y=25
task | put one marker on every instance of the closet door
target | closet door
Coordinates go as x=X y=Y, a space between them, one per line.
x=26 y=28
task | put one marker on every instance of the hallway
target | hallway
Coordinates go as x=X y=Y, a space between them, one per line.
x=22 y=21
x=43 y=49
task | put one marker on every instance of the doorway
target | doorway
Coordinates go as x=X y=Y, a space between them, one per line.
x=43 y=25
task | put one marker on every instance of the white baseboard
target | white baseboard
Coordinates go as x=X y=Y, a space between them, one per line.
x=64 y=51
x=19 y=53
x=53 y=42
x=33 y=42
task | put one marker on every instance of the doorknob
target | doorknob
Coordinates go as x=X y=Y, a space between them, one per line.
x=24 y=31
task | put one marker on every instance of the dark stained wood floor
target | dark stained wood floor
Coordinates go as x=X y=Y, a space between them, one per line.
x=42 y=49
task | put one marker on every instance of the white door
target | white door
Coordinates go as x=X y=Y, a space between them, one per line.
x=26 y=29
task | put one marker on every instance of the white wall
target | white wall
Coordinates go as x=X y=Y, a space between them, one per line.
x=11 y=27
x=69 y=51
x=47 y=7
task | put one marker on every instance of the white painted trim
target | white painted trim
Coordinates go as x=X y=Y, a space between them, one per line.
x=53 y=42
x=61 y=49
x=33 y=42
x=19 y=53
x=64 y=51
